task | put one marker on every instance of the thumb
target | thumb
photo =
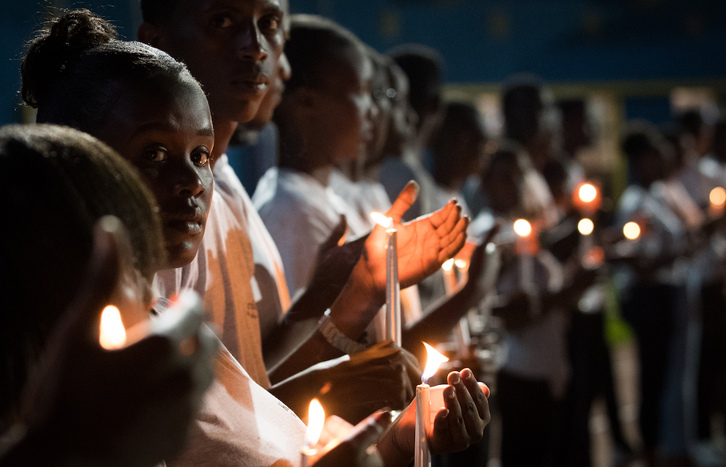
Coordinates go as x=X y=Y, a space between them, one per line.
x=404 y=201
x=100 y=279
x=334 y=238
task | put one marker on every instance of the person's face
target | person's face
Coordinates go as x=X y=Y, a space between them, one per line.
x=342 y=111
x=403 y=118
x=274 y=94
x=165 y=130
x=231 y=46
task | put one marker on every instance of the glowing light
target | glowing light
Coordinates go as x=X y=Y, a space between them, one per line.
x=631 y=230
x=434 y=359
x=382 y=220
x=585 y=226
x=113 y=334
x=316 y=420
x=461 y=263
x=717 y=196
x=522 y=228
x=448 y=264
x=587 y=193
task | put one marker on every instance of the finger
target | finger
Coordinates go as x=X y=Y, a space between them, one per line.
x=335 y=236
x=454 y=433
x=453 y=214
x=479 y=392
x=100 y=280
x=469 y=411
x=437 y=218
x=453 y=242
x=369 y=430
x=404 y=201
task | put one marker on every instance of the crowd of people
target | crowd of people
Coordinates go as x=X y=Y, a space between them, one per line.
x=240 y=308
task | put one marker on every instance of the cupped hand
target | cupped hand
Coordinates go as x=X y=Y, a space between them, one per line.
x=457 y=425
x=424 y=244
x=382 y=376
x=130 y=406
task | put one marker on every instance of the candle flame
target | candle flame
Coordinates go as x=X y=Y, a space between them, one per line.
x=434 y=359
x=587 y=192
x=316 y=420
x=522 y=228
x=448 y=264
x=382 y=220
x=631 y=230
x=585 y=226
x=113 y=334
x=460 y=263
x=717 y=197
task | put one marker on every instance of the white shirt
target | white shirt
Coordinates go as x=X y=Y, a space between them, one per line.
x=300 y=213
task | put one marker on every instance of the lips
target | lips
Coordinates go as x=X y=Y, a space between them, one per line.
x=256 y=83
x=189 y=222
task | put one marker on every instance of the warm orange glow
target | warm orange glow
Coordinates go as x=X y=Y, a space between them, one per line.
x=113 y=334
x=461 y=263
x=587 y=193
x=717 y=197
x=522 y=228
x=448 y=264
x=382 y=220
x=585 y=226
x=316 y=420
x=631 y=230
x=434 y=359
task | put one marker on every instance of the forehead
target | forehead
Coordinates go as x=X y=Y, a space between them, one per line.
x=173 y=105
x=190 y=8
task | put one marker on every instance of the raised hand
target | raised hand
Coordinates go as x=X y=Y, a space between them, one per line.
x=356 y=450
x=423 y=244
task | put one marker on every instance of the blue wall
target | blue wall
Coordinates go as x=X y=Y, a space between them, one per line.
x=483 y=41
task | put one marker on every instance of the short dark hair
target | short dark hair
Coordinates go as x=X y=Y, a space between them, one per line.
x=56 y=183
x=424 y=68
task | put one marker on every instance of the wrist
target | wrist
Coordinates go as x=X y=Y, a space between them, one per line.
x=392 y=451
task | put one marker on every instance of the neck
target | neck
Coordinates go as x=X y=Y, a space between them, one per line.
x=223 y=131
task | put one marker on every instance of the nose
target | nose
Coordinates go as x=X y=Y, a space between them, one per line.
x=188 y=182
x=250 y=44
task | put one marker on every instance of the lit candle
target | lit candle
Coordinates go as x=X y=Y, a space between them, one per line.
x=585 y=227
x=393 y=290
x=586 y=198
x=316 y=421
x=463 y=337
x=717 y=197
x=422 y=456
x=112 y=332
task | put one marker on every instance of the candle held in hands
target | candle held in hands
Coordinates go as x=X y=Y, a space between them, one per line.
x=393 y=287
x=316 y=420
x=422 y=456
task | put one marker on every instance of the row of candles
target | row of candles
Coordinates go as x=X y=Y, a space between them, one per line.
x=586 y=199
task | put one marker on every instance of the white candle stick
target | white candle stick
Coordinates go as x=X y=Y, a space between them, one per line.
x=526 y=249
x=717 y=198
x=393 y=287
x=422 y=455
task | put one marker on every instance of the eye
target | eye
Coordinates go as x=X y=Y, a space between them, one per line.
x=222 y=21
x=270 y=23
x=200 y=157
x=157 y=154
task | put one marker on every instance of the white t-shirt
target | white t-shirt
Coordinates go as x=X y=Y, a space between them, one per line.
x=300 y=213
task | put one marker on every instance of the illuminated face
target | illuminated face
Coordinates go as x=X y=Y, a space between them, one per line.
x=231 y=46
x=165 y=129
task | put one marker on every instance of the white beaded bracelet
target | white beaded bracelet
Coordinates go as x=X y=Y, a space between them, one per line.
x=335 y=336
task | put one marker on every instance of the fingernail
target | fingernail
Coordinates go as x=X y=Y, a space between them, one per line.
x=455 y=378
x=467 y=374
x=446 y=413
x=452 y=393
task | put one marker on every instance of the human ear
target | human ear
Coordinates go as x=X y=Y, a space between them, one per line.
x=149 y=34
